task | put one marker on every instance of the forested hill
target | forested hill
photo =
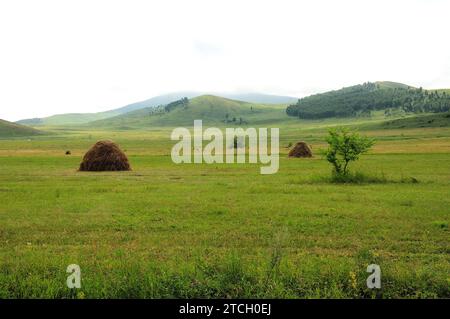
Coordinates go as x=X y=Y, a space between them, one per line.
x=362 y=99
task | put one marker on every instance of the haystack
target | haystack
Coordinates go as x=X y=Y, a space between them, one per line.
x=105 y=156
x=300 y=149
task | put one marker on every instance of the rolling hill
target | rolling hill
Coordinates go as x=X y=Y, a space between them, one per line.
x=8 y=129
x=361 y=100
x=446 y=91
x=418 y=121
x=213 y=110
x=68 y=119
x=392 y=85
x=82 y=118
x=258 y=98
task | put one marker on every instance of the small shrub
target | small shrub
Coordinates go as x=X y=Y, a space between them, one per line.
x=345 y=146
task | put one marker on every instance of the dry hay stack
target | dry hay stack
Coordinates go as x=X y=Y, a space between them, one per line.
x=301 y=149
x=105 y=156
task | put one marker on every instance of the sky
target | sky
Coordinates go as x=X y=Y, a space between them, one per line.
x=87 y=56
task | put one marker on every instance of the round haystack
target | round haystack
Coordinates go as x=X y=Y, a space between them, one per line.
x=300 y=149
x=105 y=156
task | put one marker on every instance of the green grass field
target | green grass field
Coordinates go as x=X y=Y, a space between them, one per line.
x=224 y=230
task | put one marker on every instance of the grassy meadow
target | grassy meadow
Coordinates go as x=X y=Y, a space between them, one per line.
x=223 y=230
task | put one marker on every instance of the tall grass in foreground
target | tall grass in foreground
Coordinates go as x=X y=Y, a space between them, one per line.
x=233 y=277
x=361 y=178
x=175 y=231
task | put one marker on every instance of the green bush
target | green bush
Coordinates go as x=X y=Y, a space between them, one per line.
x=345 y=146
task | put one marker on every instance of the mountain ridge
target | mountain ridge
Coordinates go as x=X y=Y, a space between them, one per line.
x=213 y=110
x=83 y=118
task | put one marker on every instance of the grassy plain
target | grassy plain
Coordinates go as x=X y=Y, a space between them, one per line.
x=224 y=230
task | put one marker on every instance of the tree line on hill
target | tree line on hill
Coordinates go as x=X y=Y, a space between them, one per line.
x=161 y=109
x=234 y=119
x=360 y=100
x=178 y=103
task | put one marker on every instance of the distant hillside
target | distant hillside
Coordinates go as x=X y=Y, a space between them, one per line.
x=432 y=120
x=259 y=98
x=417 y=121
x=82 y=118
x=213 y=110
x=68 y=118
x=447 y=91
x=392 y=85
x=8 y=129
x=155 y=101
x=360 y=100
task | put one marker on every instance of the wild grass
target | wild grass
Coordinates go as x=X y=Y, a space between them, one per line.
x=201 y=231
x=362 y=178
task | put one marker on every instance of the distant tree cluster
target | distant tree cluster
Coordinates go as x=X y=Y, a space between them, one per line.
x=360 y=100
x=161 y=109
x=173 y=105
x=234 y=120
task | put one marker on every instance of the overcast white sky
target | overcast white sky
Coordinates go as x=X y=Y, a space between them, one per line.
x=88 y=56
